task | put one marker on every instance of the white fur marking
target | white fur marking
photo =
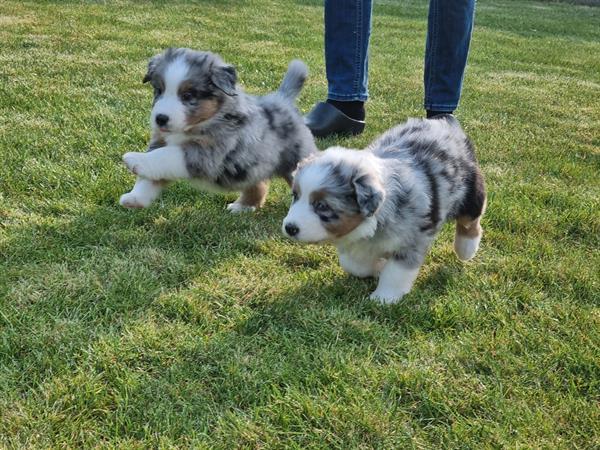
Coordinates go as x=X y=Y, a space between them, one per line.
x=362 y=266
x=466 y=247
x=165 y=163
x=309 y=225
x=236 y=208
x=143 y=193
x=301 y=212
x=395 y=281
x=310 y=179
x=169 y=103
x=176 y=72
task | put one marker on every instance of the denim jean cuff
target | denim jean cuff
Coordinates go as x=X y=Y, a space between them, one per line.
x=439 y=107
x=348 y=97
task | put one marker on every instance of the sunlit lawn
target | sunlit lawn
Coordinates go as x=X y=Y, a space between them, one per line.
x=182 y=325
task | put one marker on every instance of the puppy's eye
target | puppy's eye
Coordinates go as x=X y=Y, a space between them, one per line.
x=189 y=95
x=321 y=207
x=294 y=196
x=158 y=91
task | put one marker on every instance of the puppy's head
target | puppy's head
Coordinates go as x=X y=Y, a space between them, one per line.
x=189 y=88
x=333 y=195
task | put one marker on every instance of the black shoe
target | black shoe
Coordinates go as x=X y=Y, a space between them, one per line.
x=443 y=116
x=325 y=120
x=438 y=114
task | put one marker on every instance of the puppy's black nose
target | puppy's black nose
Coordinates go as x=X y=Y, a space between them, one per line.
x=291 y=229
x=162 y=119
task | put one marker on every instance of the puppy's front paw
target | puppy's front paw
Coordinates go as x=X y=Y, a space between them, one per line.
x=236 y=208
x=132 y=161
x=137 y=163
x=134 y=201
x=386 y=297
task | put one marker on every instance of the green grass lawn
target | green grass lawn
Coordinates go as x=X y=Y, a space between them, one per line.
x=182 y=325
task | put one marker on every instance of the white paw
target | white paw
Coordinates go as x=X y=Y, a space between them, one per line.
x=131 y=200
x=137 y=163
x=236 y=208
x=386 y=297
x=465 y=247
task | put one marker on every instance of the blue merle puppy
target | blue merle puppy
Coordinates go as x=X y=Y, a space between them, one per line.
x=382 y=207
x=205 y=129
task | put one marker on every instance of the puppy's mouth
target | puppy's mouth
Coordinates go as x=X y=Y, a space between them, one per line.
x=164 y=129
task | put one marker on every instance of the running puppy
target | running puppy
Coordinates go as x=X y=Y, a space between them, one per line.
x=207 y=130
x=382 y=207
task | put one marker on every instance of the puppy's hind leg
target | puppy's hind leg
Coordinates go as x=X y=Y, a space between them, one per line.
x=252 y=197
x=468 y=229
x=143 y=193
x=467 y=237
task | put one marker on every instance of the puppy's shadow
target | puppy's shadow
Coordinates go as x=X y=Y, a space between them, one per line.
x=126 y=258
x=313 y=304
x=299 y=341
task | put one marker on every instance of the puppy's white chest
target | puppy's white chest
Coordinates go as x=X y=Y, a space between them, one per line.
x=362 y=247
x=175 y=139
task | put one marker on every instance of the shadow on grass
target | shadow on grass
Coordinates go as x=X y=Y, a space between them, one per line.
x=110 y=261
x=304 y=343
x=81 y=276
x=350 y=293
x=305 y=339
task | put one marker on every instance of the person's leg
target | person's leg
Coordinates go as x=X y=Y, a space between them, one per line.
x=347 y=32
x=448 y=37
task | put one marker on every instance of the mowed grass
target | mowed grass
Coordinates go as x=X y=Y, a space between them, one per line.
x=182 y=325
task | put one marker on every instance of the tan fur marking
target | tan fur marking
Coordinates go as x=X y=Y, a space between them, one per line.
x=255 y=195
x=341 y=226
x=344 y=225
x=316 y=196
x=186 y=85
x=468 y=227
x=204 y=111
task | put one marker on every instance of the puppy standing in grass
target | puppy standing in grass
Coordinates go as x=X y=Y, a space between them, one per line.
x=207 y=130
x=382 y=207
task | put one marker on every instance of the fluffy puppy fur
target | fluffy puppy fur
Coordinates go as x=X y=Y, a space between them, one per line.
x=207 y=130
x=382 y=207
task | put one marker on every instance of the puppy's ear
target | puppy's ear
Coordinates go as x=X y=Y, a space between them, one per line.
x=152 y=64
x=369 y=194
x=224 y=78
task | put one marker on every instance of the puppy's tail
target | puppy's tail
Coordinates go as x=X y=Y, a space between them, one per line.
x=293 y=80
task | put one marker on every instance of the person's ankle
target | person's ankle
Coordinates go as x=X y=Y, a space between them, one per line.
x=354 y=109
x=433 y=113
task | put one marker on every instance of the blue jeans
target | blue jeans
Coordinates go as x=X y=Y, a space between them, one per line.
x=347 y=33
